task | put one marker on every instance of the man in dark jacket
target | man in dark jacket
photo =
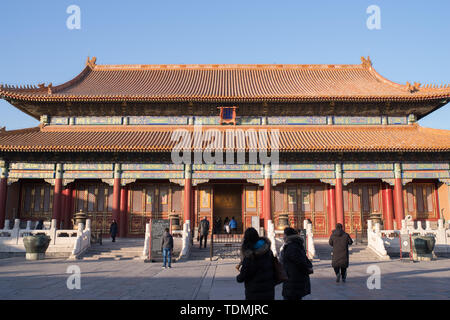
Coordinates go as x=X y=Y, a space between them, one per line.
x=340 y=240
x=166 y=248
x=297 y=266
x=257 y=271
x=203 y=231
x=113 y=230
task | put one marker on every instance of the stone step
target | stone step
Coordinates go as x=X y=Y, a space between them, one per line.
x=118 y=251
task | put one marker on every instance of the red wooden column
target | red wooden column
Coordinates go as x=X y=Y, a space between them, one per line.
x=67 y=196
x=123 y=212
x=332 y=206
x=57 y=195
x=116 y=195
x=267 y=198
x=339 y=196
x=187 y=193
x=63 y=209
x=3 y=192
x=388 y=206
x=398 y=196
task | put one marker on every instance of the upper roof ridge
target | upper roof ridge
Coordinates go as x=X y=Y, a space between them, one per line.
x=222 y=66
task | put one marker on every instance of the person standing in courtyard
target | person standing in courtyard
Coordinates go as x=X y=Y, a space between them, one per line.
x=204 y=231
x=167 y=248
x=113 y=230
x=257 y=267
x=233 y=225
x=340 y=240
x=297 y=266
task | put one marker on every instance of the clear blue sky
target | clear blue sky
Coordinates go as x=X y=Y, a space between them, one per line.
x=36 y=46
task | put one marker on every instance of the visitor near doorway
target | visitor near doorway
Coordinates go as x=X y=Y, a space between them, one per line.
x=233 y=225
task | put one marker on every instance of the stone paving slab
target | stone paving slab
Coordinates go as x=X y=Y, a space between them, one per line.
x=204 y=279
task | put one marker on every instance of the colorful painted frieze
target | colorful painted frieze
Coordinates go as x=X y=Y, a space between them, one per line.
x=157 y=120
x=306 y=166
x=88 y=174
x=397 y=120
x=368 y=166
x=226 y=167
x=296 y=120
x=303 y=175
x=425 y=166
x=248 y=120
x=426 y=175
x=88 y=166
x=206 y=120
x=151 y=167
x=226 y=175
x=153 y=175
x=340 y=120
x=31 y=166
x=369 y=175
x=59 y=121
x=31 y=174
x=97 y=120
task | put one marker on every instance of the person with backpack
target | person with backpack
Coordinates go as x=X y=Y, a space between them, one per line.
x=340 y=240
x=203 y=231
x=296 y=265
x=257 y=267
x=167 y=248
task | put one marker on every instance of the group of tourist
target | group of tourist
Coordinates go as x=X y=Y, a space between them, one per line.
x=258 y=266
x=229 y=226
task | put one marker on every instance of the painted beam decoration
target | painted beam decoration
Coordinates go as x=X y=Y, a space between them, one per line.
x=357 y=120
x=88 y=170
x=440 y=171
x=226 y=171
x=321 y=171
x=303 y=171
x=29 y=170
x=152 y=171
x=146 y=120
x=296 y=120
x=215 y=120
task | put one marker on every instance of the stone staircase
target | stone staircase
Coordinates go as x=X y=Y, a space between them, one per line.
x=357 y=252
x=122 y=249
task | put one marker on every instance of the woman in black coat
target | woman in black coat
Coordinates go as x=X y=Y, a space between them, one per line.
x=257 y=268
x=113 y=230
x=297 y=266
x=340 y=240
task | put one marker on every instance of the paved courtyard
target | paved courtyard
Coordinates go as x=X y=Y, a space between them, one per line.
x=202 y=279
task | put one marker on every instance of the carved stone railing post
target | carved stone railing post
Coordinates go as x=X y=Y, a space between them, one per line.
x=3 y=191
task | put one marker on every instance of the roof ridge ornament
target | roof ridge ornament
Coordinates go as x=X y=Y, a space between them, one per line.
x=413 y=87
x=91 y=62
x=49 y=87
x=366 y=62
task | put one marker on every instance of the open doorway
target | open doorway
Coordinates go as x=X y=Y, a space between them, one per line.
x=227 y=204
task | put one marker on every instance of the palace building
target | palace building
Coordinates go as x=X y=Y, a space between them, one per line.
x=349 y=148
